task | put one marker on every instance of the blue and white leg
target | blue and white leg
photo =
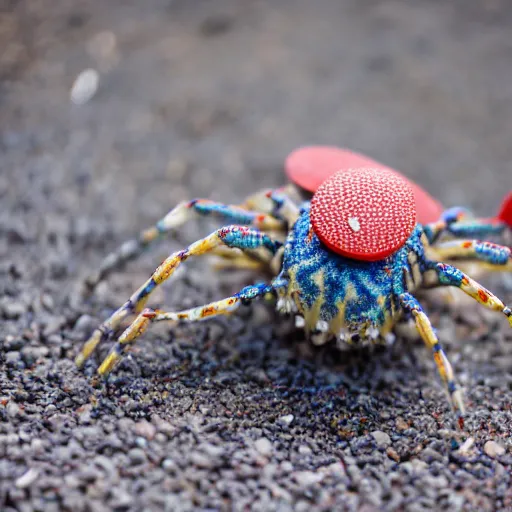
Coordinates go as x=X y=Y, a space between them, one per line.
x=488 y=255
x=277 y=202
x=429 y=336
x=225 y=306
x=174 y=219
x=235 y=237
x=447 y=275
x=460 y=223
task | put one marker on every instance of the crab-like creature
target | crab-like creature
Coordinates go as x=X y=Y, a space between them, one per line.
x=347 y=262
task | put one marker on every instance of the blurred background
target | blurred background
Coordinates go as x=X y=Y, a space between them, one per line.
x=207 y=98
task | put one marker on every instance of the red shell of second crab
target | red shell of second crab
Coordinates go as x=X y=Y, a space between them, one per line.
x=505 y=213
x=309 y=166
x=364 y=214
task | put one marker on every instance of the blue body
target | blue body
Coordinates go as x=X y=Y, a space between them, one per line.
x=348 y=295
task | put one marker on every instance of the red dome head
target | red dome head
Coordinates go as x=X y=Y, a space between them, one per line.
x=364 y=214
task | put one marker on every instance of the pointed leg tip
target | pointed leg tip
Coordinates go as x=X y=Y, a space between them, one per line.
x=108 y=364
x=80 y=360
x=88 y=348
x=459 y=408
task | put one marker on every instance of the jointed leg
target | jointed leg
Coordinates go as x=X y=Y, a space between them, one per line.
x=459 y=223
x=488 y=255
x=148 y=316
x=451 y=276
x=231 y=236
x=276 y=202
x=240 y=261
x=176 y=218
x=427 y=333
x=249 y=260
x=476 y=228
x=280 y=205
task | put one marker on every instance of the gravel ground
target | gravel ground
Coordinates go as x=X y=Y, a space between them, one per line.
x=206 y=99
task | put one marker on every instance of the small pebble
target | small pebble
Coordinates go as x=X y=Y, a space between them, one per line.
x=141 y=442
x=381 y=438
x=286 y=421
x=47 y=302
x=84 y=414
x=493 y=449
x=85 y=86
x=145 y=429
x=12 y=357
x=13 y=310
x=137 y=456
x=27 y=479
x=385 y=415
x=392 y=454
x=202 y=461
x=37 y=446
x=212 y=450
x=334 y=469
x=85 y=324
x=264 y=446
x=13 y=410
x=401 y=424
x=169 y=466
x=286 y=466
x=307 y=478
x=305 y=450
x=120 y=498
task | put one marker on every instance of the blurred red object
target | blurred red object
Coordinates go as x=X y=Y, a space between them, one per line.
x=309 y=166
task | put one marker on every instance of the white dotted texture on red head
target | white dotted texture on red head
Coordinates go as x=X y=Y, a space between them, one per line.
x=364 y=214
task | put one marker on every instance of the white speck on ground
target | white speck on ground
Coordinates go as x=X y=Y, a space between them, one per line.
x=27 y=479
x=286 y=420
x=85 y=86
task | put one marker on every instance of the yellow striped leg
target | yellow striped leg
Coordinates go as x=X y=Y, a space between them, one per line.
x=483 y=254
x=427 y=333
x=451 y=276
x=148 y=316
x=278 y=202
x=174 y=219
x=238 y=237
x=225 y=258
